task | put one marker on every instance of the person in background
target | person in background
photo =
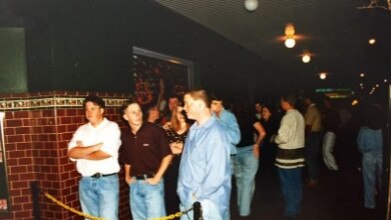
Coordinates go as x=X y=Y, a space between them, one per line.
x=94 y=147
x=176 y=131
x=247 y=157
x=370 y=144
x=290 y=155
x=258 y=110
x=204 y=171
x=313 y=122
x=146 y=153
x=152 y=113
x=227 y=119
x=173 y=102
x=331 y=124
x=270 y=123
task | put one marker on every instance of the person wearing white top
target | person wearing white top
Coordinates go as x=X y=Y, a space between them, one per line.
x=94 y=147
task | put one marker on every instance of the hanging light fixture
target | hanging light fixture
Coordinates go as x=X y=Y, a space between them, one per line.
x=251 y=5
x=290 y=41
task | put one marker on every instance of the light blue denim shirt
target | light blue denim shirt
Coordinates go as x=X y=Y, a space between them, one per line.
x=204 y=172
x=370 y=141
x=230 y=123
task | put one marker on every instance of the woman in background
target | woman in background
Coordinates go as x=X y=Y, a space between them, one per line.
x=176 y=131
x=271 y=124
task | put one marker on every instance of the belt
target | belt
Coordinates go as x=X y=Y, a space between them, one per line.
x=99 y=175
x=144 y=176
x=232 y=155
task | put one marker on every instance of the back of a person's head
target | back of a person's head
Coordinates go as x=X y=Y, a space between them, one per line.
x=374 y=119
x=290 y=98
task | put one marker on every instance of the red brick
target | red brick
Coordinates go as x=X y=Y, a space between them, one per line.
x=21 y=199
x=50 y=161
x=21 y=114
x=27 y=176
x=13 y=123
x=13 y=177
x=22 y=130
x=61 y=128
x=26 y=122
x=78 y=119
x=23 y=214
x=61 y=112
x=48 y=129
x=71 y=112
x=65 y=120
x=23 y=146
x=18 y=154
x=19 y=184
x=9 y=131
x=48 y=113
x=25 y=161
x=14 y=138
x=37 y=130
x=18 y=169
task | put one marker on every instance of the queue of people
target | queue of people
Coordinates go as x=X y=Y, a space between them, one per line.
x=197 y=149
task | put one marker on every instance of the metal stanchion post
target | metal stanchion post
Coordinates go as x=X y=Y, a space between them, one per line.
x=35 y=193
x=197 y=211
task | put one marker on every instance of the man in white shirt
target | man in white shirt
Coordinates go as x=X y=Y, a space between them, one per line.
x=94 y=147
x=290 y=155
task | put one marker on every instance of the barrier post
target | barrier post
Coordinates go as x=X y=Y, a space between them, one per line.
x=35 y=196
x=197 y=211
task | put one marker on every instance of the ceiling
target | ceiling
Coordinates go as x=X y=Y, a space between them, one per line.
x=335 y=31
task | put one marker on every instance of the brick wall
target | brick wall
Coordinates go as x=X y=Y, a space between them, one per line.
x=37 y=128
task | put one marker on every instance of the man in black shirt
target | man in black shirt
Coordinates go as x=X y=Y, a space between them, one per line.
x=146 y=154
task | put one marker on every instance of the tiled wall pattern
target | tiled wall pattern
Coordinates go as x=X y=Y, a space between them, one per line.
x=37 y=128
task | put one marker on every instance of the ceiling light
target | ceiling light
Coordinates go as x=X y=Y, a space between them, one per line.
x=385 y=80
x=306 y=56
x=323 y=76
x=289 y=29
x=290 y=42
x=362 y=74
x=251 y=5
x=372 y=41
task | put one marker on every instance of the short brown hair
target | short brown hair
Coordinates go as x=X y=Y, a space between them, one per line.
x=200 y=94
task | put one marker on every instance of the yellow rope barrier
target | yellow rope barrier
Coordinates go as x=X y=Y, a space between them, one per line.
x=172 y=216
x=70 y=208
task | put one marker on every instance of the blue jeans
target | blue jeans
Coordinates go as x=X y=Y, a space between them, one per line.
x=99 y=196
x=290 y=180
x=245 y=169
x=146 y=200
x=312 y=154
x=372 y=171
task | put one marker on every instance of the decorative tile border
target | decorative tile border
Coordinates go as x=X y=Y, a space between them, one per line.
x=52 y=102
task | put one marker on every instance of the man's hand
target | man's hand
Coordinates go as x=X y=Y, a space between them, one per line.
x=153 y=181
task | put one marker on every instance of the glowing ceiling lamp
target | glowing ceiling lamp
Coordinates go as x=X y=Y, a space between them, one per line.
x=306 y=56
x=323 y=75
x=251 y=5
x=290 y=41
x=372 y=41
